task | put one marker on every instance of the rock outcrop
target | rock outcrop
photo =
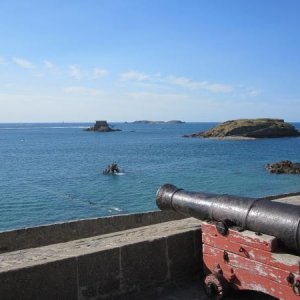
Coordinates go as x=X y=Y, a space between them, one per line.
x=284 y=167
x=111 y=169
x=250 y=128
x=101 y=126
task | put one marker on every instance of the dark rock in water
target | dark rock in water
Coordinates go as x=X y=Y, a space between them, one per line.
x=284 y=167
x=101 y=126
x=250 y=128
x=111 y=169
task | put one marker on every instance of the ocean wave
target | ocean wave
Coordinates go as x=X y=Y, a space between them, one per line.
x=113 y=209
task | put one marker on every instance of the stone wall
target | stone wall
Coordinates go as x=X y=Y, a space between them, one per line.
x=123 y=263
x=62 y=232
x=137 y=267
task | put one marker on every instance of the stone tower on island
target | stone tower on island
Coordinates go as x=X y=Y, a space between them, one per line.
x=101 y=126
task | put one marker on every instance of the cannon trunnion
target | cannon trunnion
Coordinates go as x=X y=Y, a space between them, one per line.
x=248 y=243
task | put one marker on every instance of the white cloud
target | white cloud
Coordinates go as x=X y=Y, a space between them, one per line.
x=98 y=73
x=199 y=85
x=218 y=87
x=244 y=92
x=83 y=91
x=134 y=76
x=190 y=84
x=48 y=64
x=183 y=82
x=75 y=72
x=157 y=96
x=23 y=63
x=2 y=61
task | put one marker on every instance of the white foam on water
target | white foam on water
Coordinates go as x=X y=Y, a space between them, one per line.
x=116 y=209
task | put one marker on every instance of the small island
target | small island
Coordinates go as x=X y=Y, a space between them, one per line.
x=158 y=122
x=101 y=126
x=111 y=169
x=284 y=167
x=250 y=129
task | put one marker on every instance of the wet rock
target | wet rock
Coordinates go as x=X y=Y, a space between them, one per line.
x=111 y=169
x=284 y=167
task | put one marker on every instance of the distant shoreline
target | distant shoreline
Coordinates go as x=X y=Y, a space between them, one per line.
x=232 y=138
x=158 y=122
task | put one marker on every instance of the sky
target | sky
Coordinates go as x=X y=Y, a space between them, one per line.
x=126 y=60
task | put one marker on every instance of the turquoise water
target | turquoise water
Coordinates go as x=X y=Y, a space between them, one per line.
x=53 y=172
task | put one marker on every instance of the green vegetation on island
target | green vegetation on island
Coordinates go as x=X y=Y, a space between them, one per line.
x=249 y=129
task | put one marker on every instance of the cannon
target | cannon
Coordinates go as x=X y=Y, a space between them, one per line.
x=248 y=243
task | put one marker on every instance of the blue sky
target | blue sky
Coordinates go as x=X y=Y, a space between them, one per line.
x=124 y=60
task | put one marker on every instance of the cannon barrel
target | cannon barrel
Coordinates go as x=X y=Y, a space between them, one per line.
x=278 y=219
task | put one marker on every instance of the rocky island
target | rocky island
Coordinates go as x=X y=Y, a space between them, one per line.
x=250 y=129
x=111 y=169
x=158 y=122
x=284 y=167
x=101 y=126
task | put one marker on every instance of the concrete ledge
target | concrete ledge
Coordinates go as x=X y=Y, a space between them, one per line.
x=105 y=266
x=62 y=232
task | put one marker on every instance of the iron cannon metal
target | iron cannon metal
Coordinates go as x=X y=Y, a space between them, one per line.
x=278 y=219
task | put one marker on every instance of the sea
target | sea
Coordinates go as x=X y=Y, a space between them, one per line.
x=53 y=172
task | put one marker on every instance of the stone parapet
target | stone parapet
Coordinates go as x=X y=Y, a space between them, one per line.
x=104 y=266
x=63 y=232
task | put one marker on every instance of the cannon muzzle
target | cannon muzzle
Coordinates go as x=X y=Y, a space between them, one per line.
x=278 y=219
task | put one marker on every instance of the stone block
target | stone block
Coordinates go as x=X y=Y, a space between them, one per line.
x=51 y=281
x=183 y=259
x=143 y=264
x=99 y=274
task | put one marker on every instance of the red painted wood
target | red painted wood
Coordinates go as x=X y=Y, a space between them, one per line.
x=245 y=280
x=256 y=267
x=252 y=266
x=264 y=242
x=230 y=243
